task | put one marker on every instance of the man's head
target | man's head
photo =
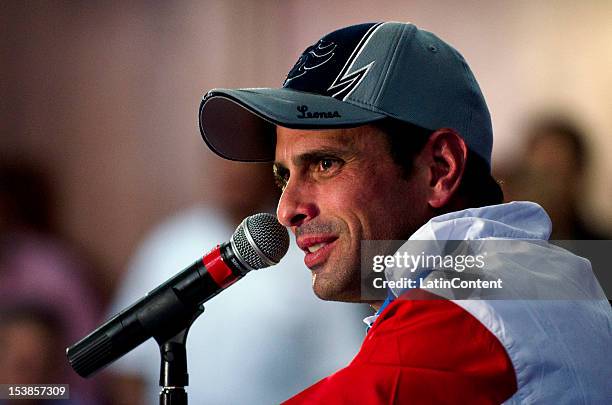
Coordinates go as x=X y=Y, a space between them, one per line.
x=378 y=127
x=343 y=186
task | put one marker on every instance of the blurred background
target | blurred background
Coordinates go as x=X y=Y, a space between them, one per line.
x=99 y=142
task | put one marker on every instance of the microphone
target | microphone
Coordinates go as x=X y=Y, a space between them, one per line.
x=259 y=241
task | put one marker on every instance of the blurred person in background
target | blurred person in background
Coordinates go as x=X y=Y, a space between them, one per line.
x=552 y=173
x=39 y=270
x=257 y=343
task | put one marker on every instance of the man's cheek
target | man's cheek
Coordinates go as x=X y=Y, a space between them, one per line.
x=341 y=198
x=373 y=196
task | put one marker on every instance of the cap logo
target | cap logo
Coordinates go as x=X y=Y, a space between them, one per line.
x=319 y=55
x=303 y=109
x=348 y=79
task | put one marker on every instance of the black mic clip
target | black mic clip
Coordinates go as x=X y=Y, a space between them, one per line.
x=173 y=375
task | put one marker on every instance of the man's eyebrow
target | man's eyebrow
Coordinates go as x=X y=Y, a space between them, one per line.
x=315 y=155
x=346 y=143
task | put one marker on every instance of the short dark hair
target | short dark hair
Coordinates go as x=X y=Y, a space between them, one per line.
x=478 y=188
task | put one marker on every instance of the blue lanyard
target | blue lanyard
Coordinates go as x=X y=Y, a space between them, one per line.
x=390 y=298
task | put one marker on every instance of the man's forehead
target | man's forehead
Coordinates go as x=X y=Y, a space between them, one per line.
x=295 y=141
x=339 y=136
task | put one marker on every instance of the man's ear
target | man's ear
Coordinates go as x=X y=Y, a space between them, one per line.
x=445 y=155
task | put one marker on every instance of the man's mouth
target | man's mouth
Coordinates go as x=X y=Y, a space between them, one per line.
x=317 y=249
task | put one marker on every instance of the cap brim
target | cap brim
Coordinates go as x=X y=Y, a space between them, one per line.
x=241 y=124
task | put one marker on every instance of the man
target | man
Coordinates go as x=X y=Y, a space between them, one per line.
x=381 y=132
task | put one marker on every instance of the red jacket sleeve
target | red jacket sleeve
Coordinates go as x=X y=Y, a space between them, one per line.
x=421 y=350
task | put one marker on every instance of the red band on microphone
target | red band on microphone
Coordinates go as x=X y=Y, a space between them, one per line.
x=218 y=270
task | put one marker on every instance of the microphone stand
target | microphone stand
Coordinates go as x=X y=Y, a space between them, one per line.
x=173 y=376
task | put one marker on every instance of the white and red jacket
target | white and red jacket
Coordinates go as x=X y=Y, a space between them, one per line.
x=427 y=350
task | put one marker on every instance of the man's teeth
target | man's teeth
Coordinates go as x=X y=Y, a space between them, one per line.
x=316 y=247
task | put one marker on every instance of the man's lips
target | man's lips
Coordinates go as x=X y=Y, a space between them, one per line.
x=317 y=248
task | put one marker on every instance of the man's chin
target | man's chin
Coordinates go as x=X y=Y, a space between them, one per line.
x=331 y=290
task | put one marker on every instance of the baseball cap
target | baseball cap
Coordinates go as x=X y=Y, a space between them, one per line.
x=354 y=76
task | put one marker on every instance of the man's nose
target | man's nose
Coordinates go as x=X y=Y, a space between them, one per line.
x=296 y=205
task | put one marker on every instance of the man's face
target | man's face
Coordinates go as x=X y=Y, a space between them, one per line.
x=341 y=187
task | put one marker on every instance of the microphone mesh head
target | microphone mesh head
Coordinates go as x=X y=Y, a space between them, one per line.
x=260 y=241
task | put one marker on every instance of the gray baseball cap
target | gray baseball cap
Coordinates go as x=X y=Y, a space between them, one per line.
x=351 y=77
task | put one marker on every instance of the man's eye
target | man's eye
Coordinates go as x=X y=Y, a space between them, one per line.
x=327 y=164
